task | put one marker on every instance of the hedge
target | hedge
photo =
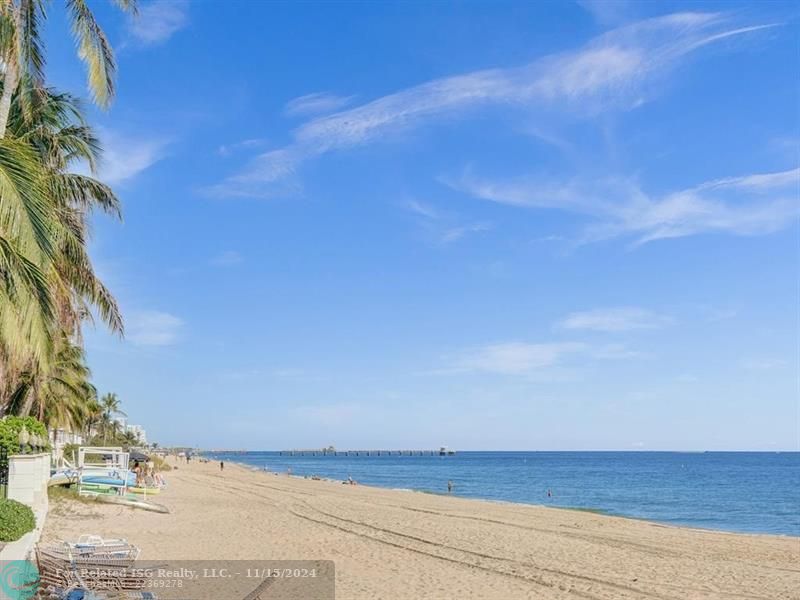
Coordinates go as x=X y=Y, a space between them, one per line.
x=16 y=520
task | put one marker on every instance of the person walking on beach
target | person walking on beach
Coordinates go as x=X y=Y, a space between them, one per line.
x=450 y=487
x=221 y=466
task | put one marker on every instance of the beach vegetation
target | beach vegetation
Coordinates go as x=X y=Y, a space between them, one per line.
x=16 y=519
x=10 y=429
x=59 y=493
x=161 y=464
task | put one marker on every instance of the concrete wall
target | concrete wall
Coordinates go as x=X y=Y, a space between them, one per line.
x=28 y=475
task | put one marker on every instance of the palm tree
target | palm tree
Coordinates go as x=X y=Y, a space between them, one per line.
x=48 y=287
x=110 y=406
x=92 y=418
x=28 y=218
x=59 y=395
x=129 y=439
x=58 y=132
x=22 y=50
x=41 y=315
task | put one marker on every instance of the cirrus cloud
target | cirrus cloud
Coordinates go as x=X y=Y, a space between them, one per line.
x=158 y=21
x=315 y=104
x=753 y=204
x=153 y=328
x=626 y=318
x=613 y=71
x=126 y=156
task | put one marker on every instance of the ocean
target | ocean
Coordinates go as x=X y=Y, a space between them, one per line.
x=754 y=492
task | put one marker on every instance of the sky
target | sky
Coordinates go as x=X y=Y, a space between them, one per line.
x=506 y=225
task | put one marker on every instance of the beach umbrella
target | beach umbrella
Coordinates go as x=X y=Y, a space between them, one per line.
x=140 y=456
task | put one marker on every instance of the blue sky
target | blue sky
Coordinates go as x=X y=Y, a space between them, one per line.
x=488 y=225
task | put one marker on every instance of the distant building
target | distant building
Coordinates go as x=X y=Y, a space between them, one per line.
x=60 y=438
x=139 y=432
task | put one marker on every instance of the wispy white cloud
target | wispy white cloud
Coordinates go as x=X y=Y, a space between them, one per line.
x=422 y=209
x=548 y=137
x=229 y=149
x=125 y=156
x=228 y=258
x=610 y=12
x=443 y=226
x=153 y=328
x=616 y=352
x=516 y=357
x=453 y=234
x=614 y=70
x=763 y=363
x=316 y=104
x=625 y=318
x=523 y=358
x=750 y=205
x=158 y=21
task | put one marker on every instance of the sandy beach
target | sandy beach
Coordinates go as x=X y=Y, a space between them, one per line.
x=406 y=545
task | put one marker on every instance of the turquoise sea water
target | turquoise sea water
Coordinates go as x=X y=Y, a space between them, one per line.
x=734 y=491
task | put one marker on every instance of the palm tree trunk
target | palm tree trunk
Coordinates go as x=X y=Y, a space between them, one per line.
x=9 y=86
x=11 y=75
x=4 y=391
x=27 y=407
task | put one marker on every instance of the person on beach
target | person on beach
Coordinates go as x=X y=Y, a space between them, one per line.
x=221 y=466
x=450 y=487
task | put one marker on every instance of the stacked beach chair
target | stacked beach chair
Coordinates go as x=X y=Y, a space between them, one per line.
x=70 y=570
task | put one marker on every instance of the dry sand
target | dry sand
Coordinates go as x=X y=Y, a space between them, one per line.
x=408 y=545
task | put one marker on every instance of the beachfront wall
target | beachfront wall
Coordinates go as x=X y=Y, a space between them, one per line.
x=28 y=475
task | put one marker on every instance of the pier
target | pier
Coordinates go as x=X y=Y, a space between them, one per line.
x=331 y=451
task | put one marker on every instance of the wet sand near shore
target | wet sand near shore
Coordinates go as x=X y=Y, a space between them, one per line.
x=399 y=545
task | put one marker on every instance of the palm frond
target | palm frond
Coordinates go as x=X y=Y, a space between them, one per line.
x=31 y=58
x=25 y=207
x=129 y=6
x=94 y=50
x=8 y=31
x=86 y=193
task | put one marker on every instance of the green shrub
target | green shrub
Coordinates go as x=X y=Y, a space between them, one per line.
x=16 y=520
x=10 y=427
